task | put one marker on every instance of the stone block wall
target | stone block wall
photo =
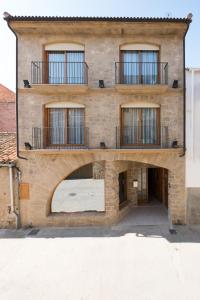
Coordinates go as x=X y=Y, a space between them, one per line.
x=102 y=113
x=7 y=220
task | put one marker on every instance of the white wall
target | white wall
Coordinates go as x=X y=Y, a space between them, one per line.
x=193 y=127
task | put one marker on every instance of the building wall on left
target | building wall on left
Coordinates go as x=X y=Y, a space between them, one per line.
x=6 y=219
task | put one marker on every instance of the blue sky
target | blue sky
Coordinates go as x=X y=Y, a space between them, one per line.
x=129 y=8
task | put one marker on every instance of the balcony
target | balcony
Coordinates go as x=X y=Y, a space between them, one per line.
x=59 y=77
x=141 y=77
x=60 y=138
x=141 y=137
x=125 y=138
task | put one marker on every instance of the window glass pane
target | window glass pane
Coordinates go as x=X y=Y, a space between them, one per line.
x=149 y=126
x=130 y=67
x=130 y=127
x=56 y=67
x=76 y=125
x=75 y=67
x=57 y=126
x=149 y=67
x=139 y=126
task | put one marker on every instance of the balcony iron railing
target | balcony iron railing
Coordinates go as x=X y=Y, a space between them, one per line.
x=142 y=137
x=59 y=72
x=141 y=73
x=60 y=137
x=137 y=137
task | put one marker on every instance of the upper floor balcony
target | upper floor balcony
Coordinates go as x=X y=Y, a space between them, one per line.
x=141 y=77
x=139 y=68
x=135 y=137
x=58 y=73
x=145 y=73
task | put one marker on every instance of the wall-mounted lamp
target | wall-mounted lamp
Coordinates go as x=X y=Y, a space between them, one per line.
x=175 y=84
x=101 y=84
x=102 y=145
x=26 y=84
x=175 y=144
x=28 y=146
x=135 y=183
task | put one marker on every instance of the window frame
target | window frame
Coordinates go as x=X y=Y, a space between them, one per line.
x=46 y=134
x=46 y=64
x=121 y=59
x=158 y=127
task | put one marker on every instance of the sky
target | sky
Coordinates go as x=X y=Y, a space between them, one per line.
x=123 y=8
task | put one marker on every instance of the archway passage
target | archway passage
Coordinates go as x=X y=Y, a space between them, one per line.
x=144 y=188
x=153 y=186
x=81 y=191
x=158 y=186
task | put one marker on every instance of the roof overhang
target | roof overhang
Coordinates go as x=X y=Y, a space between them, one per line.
x=98 y=25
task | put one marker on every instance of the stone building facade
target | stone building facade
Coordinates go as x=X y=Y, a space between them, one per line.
x=105 y=90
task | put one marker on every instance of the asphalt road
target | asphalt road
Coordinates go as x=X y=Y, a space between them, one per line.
x=124 y=262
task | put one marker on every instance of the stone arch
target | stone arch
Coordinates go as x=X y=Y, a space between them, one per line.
x=74 y=162
x=59 y=164
x=82 y=190
x=72 y=166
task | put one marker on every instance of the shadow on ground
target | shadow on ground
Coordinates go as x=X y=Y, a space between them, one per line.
x=184 y=234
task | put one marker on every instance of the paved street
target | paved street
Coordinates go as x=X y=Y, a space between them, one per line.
x=123 y=262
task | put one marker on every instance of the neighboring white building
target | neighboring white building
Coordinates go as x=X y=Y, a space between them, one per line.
x=193 y=143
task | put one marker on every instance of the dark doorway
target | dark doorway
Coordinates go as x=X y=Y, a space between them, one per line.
x=122 y=188
x=158 y=186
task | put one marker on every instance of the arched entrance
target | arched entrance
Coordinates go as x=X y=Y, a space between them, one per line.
x=143 y=188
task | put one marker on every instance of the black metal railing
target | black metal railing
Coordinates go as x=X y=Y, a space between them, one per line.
x=60 y=137
x=59 y=72
x=142 y=137
x=141 y=73
x=136 y=137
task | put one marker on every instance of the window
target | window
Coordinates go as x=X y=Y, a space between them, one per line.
x=139 y=66
x=65 y=126
x=140 y=126
x=66 y=67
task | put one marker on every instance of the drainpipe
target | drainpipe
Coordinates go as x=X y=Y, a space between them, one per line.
x=10 y=167
x=6 y=18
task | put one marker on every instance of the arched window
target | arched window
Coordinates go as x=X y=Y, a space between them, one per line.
x=82 y=190
x=139 y=64
x=65 y=63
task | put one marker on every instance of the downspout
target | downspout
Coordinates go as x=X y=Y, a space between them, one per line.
x=10 y=167
x=17 y=114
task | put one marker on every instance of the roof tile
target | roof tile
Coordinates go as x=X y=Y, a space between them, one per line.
x=7 y=147
x=110 y=19
x=6 y=95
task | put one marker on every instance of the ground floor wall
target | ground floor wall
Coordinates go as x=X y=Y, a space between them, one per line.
x=42 y=173
x=7 y=220
x=193 y=205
